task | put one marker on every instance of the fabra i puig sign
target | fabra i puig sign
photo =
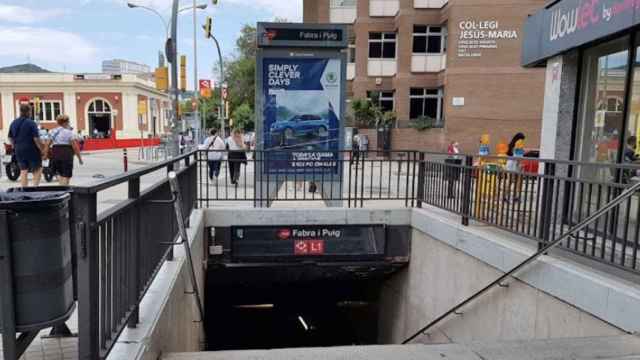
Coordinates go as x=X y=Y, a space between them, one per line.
x=572 y=23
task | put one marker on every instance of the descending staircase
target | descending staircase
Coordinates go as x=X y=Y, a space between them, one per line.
x=625 y=347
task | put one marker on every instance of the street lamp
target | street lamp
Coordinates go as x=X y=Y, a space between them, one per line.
x=164 y=21
x=175 y=12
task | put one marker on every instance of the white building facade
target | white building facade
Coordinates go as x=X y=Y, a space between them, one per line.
x=120 y=106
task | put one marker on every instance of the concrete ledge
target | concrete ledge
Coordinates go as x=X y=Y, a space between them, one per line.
x=168 y=318
x=224 y=217
x=606 y=297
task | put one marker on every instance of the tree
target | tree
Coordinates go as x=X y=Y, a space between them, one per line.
x=243 y=118
x=246 y=42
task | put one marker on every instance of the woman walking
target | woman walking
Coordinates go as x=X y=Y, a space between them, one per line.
x=214 y=145
x=64 y=145
x=237 y=155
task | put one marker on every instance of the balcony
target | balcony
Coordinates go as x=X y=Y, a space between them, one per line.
x=382 y=67
x=343 y=11
x=429 y=4
x=421 y=63
x=351 y=71
x=378 y=8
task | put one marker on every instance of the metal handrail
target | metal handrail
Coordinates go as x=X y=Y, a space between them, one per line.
x=543 y=250
x=125 y=177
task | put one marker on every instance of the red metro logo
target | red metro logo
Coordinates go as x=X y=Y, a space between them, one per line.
x=283 y=234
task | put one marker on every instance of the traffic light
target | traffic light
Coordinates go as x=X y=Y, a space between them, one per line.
x=183 y=73
x=208 y=27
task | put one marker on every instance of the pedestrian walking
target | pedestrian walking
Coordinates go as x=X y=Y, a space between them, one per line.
x=355 y=148
x=182 y=142
x=237 y=155
x=29 y=149
x=363 y=141
x=516 y=150
x=64 y=145
x=214 y=145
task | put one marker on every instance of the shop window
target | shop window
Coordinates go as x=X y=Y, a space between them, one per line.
x=600 y=127
x=614 y=104
x=47 y=110
x=427 y=103
x=383 y=99
x=429 y=39
x=382 y=45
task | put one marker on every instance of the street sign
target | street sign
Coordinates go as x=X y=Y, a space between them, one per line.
x=308 y=240
x=162 y=78
x=225 y=91
x=142 y=107
x=205 y=88
x=169 y=50
x=183 y=73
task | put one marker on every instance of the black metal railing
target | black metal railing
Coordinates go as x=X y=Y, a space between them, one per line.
x=121 y=249
x=541 y=200
x=613 y=206
x=351 y=178
x=535 y=198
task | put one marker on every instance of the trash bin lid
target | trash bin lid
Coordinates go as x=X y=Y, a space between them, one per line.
x=33 y=200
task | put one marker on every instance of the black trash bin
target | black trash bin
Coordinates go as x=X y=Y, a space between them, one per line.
x=41 y=256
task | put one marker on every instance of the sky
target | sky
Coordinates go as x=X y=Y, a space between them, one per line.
x=76 y=35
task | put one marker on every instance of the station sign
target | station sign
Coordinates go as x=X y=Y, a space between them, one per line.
x=302 y=35
x=309 y=240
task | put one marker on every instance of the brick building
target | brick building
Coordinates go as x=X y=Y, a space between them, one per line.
x=116 y=106
x=456 y=61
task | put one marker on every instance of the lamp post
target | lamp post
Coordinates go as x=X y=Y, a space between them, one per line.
x=171 y=33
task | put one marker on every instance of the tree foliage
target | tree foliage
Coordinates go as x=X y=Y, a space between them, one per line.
x=243 y=118
x=368 y=115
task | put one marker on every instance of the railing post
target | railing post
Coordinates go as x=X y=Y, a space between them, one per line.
x=421 y=180
x=173 y=230
x=85 y=211
x=134 y=193
x=467 y=172
x=544 y=230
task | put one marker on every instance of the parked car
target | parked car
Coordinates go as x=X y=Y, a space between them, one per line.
x=301 y=125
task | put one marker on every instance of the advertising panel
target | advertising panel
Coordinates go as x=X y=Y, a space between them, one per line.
x=301 y=114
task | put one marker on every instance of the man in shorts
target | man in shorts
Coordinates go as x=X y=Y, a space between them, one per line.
x=25 y=137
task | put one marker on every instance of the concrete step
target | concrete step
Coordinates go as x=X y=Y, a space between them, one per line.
x=610 y=348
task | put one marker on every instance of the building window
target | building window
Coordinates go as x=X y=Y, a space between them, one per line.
x=382 y=45
x=352 y=54
x=48 y=110
x=427 y=103
x=383 y=99
x=429 y=39
x=343 y=3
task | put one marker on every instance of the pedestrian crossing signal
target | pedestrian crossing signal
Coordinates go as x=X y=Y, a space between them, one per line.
x=208 y=27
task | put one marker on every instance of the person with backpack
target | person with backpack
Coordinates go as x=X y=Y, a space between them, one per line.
x=29 y=149
x=215 y=147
